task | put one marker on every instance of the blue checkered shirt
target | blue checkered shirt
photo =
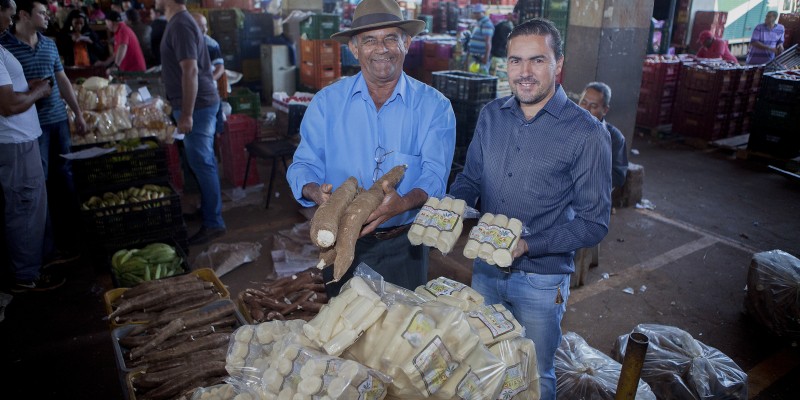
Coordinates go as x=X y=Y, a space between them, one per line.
x=37 y=63
x=552 y=172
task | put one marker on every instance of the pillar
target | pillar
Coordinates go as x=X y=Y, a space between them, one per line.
x=607 y=42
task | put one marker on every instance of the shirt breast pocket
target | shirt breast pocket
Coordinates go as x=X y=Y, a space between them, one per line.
x=547 y=178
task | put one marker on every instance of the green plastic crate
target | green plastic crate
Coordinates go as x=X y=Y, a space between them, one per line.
x=245 y=101
x=319 y=26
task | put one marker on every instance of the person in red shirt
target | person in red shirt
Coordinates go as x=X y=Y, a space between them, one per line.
x=712 y=47
x=128 y=56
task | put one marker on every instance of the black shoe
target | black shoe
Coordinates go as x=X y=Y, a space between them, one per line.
x=59 y=257
x=44 y=283
x=205 y=235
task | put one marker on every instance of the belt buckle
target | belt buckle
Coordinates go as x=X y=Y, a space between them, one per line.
x=506 y=270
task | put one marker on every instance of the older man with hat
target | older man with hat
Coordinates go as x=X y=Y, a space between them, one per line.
x=713 y=47
x=364 y=125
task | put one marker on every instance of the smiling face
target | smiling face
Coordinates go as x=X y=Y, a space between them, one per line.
x=592 y=101
x=381 y=53
x=6 y=15
x=532 y=69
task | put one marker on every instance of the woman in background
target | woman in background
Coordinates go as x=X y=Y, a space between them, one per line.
x=77 y=43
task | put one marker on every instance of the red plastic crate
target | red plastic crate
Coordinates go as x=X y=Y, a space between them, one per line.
x=320 y=52
x=233 y=167
x=317 y=77
x=658 y=92
x=660 y=71
x=653 y=114
x=698 y=102
x=707 y=127
x=709 y=79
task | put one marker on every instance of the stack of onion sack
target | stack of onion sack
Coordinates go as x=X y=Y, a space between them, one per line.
x=772 y=282
x=493 y=239
x=176 y=353
x=583 y=372
x=685 y=368
x=299 y=296
x=337 y=223
x=438 y=224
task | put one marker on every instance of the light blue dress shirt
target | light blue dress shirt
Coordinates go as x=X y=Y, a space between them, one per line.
x=342 y=129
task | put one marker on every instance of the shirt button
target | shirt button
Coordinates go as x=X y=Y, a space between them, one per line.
x=510 y=174
x=518 y=148
x=503 y=201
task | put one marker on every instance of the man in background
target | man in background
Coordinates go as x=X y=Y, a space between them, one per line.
x=39 y=58
x=767 y=40
x=714 y=47
x=480 y=41
x=189 y=86
x=127 y=55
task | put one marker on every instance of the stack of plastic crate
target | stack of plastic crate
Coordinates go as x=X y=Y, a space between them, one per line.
x=257 y=30
x=225 y=26
x=112 y=223
x=240 y=130
x=468 y=93
x=705 y=98
x=777 y=115
x=657 y=93
x=320 y=63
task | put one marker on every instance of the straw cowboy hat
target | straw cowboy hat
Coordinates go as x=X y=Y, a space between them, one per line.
x=378 y=14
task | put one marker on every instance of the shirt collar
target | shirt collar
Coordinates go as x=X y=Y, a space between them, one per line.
x=401 y=90
x=553 y=107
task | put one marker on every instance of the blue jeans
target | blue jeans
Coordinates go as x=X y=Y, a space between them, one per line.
x=25 y=203
x=56 y=140
x=532 y=300
x=199 y=147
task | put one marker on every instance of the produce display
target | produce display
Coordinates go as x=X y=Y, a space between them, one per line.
x=179 y=352
x=438 y=224
x=345 y=318
x=154 y=261
x=110 y=116
x=299 y=296
x=451 y=292
x=493 y=239
x=521 y=377
x=130 y=197
x=342 y=252
x=155 y=300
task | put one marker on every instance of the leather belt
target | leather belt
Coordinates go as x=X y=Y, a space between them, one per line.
x=391 y=232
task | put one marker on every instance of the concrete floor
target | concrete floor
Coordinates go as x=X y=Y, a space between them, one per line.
x=690 y=254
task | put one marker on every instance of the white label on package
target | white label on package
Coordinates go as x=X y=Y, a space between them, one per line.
x=438 y=287
x=419 y=327
x=469 y=387
x=371 y=389
x=495 y=321
x=499 y=238
x=514 y=382
x=444 y=220
x=435 y=364
x=424 y=216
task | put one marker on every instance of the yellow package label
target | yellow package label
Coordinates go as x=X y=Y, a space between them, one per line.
x=514 y=382
x=371 y=389
x=498 y=237
x=438 y=287
x=444 y=220
x=495 y=321
x=424 y=216
x=419 y=327
x=434 y=364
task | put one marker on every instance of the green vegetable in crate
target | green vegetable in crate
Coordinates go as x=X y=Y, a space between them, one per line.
x=154 y=261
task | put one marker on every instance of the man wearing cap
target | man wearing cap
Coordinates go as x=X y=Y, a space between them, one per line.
x=712 y=47
x=364 y=125
x=480 y=41
x=128 y=56
x=767 y=40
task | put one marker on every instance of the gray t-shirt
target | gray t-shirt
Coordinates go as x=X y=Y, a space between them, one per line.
x=182 y=41
x=22 y=127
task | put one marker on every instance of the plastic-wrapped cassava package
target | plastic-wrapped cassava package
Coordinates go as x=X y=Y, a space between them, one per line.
x=427 y=348
x=346 y=316
x=521 y=375
x=494 y=323
x=224 y=391
x=677 y=366
x=773 y=282
x=584 y=372
x=451 y=292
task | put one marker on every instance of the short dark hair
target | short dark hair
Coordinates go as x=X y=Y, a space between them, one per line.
x=603 y=89
x=773 y=12
x=27 y=5
x=540 y=27
x=133 y=15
